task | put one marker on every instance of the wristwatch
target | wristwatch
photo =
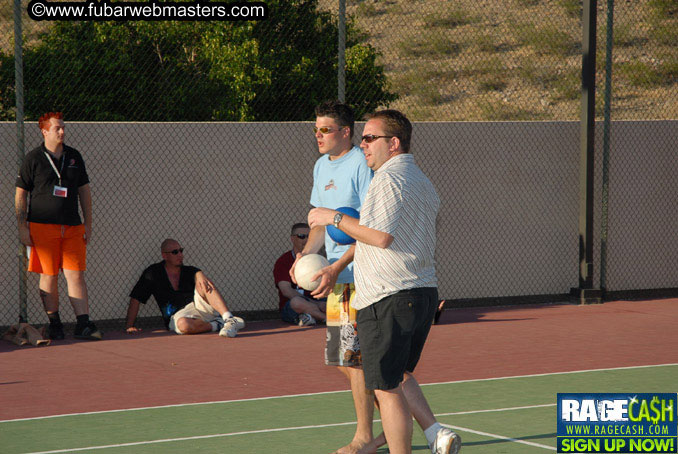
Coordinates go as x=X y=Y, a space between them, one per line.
x=337 y=219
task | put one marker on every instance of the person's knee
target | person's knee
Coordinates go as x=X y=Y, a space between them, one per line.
x=297 y=304
x=49 y=282
x=75 y=277
x=183 y=325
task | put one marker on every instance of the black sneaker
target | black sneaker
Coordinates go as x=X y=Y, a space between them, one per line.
x=55 y=331
x=88 y=332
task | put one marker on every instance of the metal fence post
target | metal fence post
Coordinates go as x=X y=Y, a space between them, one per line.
x=341 y=53
x=606 y=146
x=585 y=293
x=19 y=93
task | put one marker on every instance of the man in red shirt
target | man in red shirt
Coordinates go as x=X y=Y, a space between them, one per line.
x=296 y=306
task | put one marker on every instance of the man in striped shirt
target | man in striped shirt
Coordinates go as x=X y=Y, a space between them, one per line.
x=396 y=285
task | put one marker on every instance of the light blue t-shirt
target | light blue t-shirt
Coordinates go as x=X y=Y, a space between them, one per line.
x=340 y=183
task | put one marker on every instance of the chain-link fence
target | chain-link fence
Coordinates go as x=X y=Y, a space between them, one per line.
x=196 y=130
x=435 y=60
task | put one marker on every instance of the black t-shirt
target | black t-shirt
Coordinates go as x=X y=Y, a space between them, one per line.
x=154 y=281
x=39 y=178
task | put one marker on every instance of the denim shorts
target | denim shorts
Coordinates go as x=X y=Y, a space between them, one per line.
x=288 y=315
x=393 y=332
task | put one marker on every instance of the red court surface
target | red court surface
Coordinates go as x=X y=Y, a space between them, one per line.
x=272 y=359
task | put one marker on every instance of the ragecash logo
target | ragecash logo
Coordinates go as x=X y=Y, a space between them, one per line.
x=618 y=423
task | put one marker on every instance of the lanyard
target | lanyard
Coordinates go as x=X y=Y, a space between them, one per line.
x=63 y=159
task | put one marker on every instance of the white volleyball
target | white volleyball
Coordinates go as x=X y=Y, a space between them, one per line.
x=306 y=268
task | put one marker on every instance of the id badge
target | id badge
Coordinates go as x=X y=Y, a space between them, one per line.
x=60 y=191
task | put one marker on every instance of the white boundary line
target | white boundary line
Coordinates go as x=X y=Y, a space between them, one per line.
x=320 y=426
x=499 y=437
x=199 y=437
x=328 y=392
x=474 y=412
x=550 y=373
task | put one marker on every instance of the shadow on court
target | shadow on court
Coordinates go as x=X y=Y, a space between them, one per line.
x=252 y=329
x=457 y=316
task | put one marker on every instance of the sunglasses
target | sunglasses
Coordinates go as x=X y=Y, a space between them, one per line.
x=175 y=251
x=369 y=138
x=301 y=236
x=325 y=130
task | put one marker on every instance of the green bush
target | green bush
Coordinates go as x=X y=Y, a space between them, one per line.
x=361 y=66
x=7 y=101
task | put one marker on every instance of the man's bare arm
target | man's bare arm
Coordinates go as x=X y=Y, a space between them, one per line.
x=132 y=311
x=21 y=208
x=85 y=195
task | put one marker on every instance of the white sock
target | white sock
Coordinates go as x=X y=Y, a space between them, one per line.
x=431 y=432
x=215 y=326
x=226 y=315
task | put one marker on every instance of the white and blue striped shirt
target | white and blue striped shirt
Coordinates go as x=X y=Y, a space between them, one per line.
x=402 y=202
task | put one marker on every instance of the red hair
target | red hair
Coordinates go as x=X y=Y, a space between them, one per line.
x=43 y=122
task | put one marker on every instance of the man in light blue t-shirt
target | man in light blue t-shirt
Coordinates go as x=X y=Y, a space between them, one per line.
x=340 y=179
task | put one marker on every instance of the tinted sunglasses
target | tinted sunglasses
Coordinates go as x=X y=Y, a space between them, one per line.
x=301 y=236
x=369 y=138
x=324 y=130
x=175 y=251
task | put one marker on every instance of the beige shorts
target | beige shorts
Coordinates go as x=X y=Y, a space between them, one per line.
x=198 y=309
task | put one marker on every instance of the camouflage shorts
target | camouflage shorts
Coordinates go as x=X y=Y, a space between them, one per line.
x=342 y=347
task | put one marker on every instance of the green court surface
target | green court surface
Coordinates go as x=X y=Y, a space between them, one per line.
x=501 y=415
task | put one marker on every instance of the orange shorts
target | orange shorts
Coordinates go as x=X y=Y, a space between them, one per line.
x=57 y=247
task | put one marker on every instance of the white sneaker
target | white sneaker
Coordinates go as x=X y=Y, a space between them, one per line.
x=306 y=320
x=447 y=442
x=232 y=326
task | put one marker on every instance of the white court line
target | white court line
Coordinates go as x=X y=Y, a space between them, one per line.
x=473 y=412
x=499 y=437
x=321 y=426
x=328 y=392
x=548 y=374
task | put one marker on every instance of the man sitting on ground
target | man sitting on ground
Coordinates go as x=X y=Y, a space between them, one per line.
x=296 y=306
x=189 y=302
